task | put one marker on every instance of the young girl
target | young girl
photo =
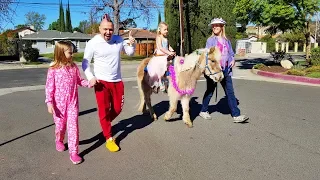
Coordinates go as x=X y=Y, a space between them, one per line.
x=62 y=98
x=219 y=39
x=158 y=64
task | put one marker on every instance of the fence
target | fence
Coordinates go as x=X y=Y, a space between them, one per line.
x=144 y=49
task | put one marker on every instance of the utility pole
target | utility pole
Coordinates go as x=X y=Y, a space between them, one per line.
x=181 y=27
x=91 y=22
x=316 y=30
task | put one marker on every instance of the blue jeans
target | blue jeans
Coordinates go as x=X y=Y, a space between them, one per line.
x=227 y=85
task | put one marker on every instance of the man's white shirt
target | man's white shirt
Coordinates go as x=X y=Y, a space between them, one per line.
x=106 y=55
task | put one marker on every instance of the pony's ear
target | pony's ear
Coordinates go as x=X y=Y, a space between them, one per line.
x=215 y=51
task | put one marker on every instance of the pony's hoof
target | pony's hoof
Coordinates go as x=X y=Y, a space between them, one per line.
x=166 y=118
x=189 y=124
x=155 y=117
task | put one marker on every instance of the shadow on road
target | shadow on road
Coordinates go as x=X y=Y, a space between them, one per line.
x=19 y=137
x=249 y=63
x=87 y=111
x=125 y=127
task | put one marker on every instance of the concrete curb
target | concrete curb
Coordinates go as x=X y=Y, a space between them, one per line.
x=286 y=77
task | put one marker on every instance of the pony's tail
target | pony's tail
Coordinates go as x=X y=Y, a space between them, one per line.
x=140 y=77
x=141 y=103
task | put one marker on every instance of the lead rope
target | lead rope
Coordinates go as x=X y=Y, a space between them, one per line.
x=216 y=92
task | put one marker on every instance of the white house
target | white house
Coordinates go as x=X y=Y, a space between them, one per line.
x=45 y=40
x=26 y=31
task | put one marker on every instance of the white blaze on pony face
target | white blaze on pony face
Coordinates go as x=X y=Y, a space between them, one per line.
x=214 y=57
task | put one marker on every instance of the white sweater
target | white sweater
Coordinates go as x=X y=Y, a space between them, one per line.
x=106 y=58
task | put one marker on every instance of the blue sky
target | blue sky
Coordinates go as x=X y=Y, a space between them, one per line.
x=78 y=13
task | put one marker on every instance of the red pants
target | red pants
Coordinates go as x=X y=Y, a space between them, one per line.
x=110 y=99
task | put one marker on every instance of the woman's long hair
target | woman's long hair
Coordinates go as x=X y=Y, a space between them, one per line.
x=59 y=58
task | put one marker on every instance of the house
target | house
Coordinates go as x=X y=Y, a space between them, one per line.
x=25 y=31
x=260 y=31
x=146 y=40
x=45 y=40
x=141 y=35
x=21 y=32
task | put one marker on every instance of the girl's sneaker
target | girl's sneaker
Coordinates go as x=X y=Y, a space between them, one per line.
x=60 y=146
x=75 y=158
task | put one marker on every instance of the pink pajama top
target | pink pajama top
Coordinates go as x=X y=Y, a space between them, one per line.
x=62 y=87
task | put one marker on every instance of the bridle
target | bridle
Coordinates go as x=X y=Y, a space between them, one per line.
x=207 y=66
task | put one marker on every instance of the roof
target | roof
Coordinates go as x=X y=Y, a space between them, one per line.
x=53 y=34
x=12 y=32
x=138 y=34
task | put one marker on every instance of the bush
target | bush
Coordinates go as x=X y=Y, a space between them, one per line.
x=315 y=56
x=259 y=66
x=313 y=69
x=270 y=43
x=31 y=54
x=295 y=72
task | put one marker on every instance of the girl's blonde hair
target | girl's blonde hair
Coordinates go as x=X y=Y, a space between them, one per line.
x=223 y=32
x=159 y=27
x=59 y=58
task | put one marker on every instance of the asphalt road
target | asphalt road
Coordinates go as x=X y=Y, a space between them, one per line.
x=281 y=140
x=37 y=76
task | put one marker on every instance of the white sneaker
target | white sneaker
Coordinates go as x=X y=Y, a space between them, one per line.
x=240 y=119
x=205 y=115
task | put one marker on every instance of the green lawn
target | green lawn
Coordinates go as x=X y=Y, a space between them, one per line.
x=32 y=63
x=77 y=57
x=314 y=75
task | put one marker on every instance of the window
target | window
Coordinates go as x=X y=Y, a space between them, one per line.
x=49 y=44
x=82 y=44
x=34 y=43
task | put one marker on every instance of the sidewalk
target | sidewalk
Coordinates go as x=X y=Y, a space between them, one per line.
x=242 y=69
x=6 y=65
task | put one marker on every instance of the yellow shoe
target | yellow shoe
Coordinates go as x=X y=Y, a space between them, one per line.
x=112 y=146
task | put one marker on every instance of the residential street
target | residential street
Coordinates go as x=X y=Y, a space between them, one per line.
x=280 y=141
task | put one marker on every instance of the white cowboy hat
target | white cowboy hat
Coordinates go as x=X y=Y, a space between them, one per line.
x=217 y=21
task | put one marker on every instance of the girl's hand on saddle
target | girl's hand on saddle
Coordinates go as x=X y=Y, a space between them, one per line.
x=172 y=53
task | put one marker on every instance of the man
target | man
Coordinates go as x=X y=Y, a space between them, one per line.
x=105 y=48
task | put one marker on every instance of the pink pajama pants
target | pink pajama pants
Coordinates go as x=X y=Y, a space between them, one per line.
x=67 y=119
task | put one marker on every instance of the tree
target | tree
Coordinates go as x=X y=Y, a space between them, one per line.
x=77 y=29
x=20 y=26
x=84 y=25
x=35 y=19
x=128 y=23
x=171 y=12
x=61 y=22
x=68 y=19
x=6 y=13
x=159 y=17
x=53 y=26
x=292 y=36
x=279 y=15
x=137 y=8
x=92 y=28
x=197 y=15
